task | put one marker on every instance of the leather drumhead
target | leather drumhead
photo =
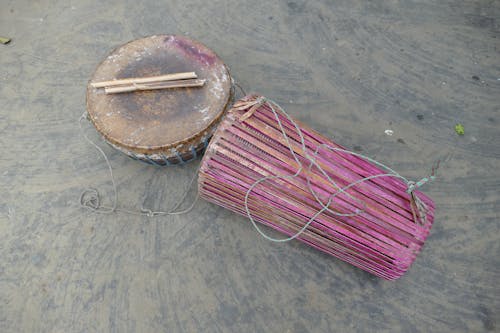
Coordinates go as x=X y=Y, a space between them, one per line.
x=152 y=121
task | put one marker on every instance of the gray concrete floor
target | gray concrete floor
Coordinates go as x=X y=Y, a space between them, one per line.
x=350 y=69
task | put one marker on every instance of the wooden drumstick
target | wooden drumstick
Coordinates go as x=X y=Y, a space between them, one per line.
x=154 y=86
x=150 y=79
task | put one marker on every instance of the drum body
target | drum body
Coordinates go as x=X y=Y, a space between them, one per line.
x=160 y=127
x=370 y=225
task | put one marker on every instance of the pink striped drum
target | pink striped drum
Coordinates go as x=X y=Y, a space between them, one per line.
x=262 y=164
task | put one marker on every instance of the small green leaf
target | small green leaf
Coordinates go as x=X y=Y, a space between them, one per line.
x=4 y=40
x=459 y=128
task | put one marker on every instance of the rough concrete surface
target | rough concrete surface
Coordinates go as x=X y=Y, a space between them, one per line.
x=351 y=69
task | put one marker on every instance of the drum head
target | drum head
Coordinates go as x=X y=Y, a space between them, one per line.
x=152 y=121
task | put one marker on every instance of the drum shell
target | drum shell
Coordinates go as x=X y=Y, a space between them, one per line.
x=172 y=156
x=383 y=241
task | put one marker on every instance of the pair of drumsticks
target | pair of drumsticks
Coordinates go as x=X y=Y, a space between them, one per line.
x=168 y=81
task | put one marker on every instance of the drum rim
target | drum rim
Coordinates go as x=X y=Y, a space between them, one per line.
x=188 y=141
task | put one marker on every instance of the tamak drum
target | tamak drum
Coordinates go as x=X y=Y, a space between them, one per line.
x=167 y=126
x=262 y=164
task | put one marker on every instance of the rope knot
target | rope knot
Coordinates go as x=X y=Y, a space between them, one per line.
x=414 y=185
x=411 y=186
x=147 y=212
x=90 y=199
x=253 y=105
x=418 y=207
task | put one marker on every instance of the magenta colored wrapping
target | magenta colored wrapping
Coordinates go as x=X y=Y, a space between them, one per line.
x=383 y=239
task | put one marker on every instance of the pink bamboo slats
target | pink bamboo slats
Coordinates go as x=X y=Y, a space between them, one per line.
x=372 y=224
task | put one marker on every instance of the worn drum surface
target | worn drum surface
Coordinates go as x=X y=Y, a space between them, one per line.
x=163 y=127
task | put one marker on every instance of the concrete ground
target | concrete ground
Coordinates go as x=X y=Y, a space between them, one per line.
x=351 y=69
